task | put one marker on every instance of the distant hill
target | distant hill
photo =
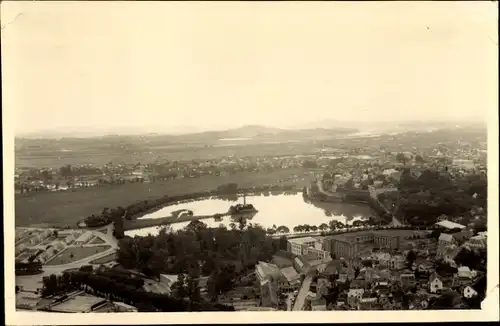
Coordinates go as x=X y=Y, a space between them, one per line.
x=249 y=131
x=393 y=126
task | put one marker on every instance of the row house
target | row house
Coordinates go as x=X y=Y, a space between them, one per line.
x=477 y=242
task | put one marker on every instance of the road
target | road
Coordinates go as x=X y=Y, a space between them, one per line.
x=303 y=291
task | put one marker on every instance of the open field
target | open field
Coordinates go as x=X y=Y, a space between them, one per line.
x=104 y=260
x=73 y=254
x=97 y=240
x=146 y=154
x=69 y=207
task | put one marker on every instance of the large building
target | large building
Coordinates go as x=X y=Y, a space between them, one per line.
x=348 y=245
x=307 y=246
x=297 y=245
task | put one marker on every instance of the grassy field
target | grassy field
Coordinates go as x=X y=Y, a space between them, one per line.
x=68 y=207
x=104 y=260
x=73 y=254
x=97 y=240
x=144 y=154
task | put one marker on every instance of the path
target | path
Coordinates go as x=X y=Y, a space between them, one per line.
x=150 y=222
x=303 y=291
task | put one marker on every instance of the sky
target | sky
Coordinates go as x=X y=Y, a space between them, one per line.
x=169 y=65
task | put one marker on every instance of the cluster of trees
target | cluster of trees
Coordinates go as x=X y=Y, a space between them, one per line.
x=278 y=229
x=107 y=216
x=332 y=226
x=474 y=259
x=71 y=171
x=200 y=251
x=104 y=286
x=432 y=194
x=31 y=267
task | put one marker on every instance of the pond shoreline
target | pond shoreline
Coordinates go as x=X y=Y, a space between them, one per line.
x=271 y=206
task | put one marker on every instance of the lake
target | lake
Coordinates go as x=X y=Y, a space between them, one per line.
x=287 y=210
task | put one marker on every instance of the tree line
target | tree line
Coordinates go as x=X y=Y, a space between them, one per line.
x=424 y=198
x=110 y=286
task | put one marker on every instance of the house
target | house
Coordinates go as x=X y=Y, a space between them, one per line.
x=322 y=286
x=442 y=217
x=407 y=279
x=381 y=258
x=425 y=267
x=318 y=304
x=477 y=242
x=435 y=283
x=367 y=303
x=382 y=287
x=123 y=307
x=397 y=262
x=354 y=295
x=465 y=272
x=70 y=238
x=281 y=280
x=463 y=236
x=332 y=269
x=84 y=238
x=168 y=280
x=341 y=299
x=469 y=292
x=447 y=252
x=446 y=239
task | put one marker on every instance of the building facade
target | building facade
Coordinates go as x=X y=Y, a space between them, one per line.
x=347 y=246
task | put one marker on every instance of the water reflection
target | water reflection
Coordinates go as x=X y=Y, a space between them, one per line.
x=274 y=208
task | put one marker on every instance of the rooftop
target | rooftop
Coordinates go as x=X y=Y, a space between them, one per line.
x=290 y=274
x=450 y=225
x=446 y=237
x=267 y=270
x=79 y=303
x=302 y=240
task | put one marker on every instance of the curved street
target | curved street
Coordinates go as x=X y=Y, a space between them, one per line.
x=303 y=291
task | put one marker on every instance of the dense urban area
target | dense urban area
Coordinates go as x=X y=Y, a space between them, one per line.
x=423 y=246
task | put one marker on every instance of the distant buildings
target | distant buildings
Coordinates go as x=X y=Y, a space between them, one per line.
x=463 y=164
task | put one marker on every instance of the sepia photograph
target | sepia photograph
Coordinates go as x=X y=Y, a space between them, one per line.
x=250 y=161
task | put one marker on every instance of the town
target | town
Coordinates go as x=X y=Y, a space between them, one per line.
x=423 y=247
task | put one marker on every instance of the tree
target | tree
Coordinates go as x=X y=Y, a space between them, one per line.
x=410 y=258
x=242 y=223
x=419 y=159
x=179 y=288
x=193 y=289
x=283 y=243
x=401 y=157
x=323 y=227
x=435 y=234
